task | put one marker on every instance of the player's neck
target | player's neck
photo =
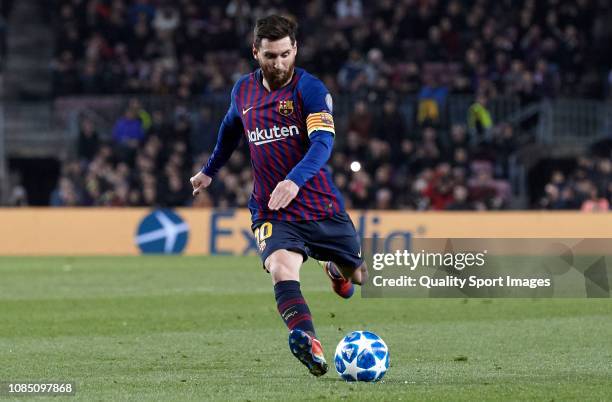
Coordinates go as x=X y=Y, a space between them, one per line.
x=266 y=84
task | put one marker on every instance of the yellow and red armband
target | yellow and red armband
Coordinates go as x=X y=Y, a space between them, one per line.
x=320 y=121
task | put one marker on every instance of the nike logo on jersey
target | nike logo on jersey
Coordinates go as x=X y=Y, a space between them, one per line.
x=244 y=111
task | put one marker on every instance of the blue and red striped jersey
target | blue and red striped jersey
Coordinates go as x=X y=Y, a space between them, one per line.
x=277 y=125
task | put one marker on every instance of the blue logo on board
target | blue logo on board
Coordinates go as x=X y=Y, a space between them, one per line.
x=162 y=232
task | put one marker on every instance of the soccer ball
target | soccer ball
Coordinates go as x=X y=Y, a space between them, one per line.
x=362 y=356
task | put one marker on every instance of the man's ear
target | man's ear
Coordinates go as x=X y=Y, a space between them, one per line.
x=255 y=51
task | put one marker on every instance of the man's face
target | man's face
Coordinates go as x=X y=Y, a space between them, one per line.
x=276 y=59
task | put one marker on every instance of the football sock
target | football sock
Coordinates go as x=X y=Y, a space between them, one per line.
x=292 y=306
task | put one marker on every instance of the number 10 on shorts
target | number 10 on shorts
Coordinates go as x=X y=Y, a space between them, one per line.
x=261 y=234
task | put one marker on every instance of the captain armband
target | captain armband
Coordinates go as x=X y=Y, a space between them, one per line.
x=320 y=121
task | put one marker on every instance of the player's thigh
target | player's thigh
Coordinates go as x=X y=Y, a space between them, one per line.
x=273 y=236
x=357 y=275
x=284 y=265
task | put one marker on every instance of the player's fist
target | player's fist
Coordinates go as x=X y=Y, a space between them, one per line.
x=199 y=182
x=283 y=194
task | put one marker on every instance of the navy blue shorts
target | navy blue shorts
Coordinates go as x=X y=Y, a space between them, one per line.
x=331 y=239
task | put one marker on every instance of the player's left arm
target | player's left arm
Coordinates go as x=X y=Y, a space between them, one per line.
x=320 y=126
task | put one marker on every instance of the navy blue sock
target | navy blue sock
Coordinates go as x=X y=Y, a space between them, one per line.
x=292 y=306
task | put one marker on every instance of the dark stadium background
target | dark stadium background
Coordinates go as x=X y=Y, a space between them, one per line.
x=456 y=105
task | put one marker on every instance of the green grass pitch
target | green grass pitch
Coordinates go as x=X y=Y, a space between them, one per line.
x=186 y=328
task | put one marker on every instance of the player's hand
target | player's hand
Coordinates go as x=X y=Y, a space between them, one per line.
x=199 y=182
x=283 y=194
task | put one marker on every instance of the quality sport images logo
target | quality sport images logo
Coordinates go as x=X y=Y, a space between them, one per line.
x=263 y=136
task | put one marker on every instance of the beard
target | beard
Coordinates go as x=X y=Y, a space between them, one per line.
x=276 y=78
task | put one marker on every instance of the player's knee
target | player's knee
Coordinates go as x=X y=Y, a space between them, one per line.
x=282 y=267
x=281 y=272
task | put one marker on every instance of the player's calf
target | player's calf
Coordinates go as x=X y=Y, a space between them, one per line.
x=343 y=278
x=357 y=275
x=360 y=274
x=343 y=287
x=284 y=267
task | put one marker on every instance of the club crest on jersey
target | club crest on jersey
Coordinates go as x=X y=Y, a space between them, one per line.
x=285 y=107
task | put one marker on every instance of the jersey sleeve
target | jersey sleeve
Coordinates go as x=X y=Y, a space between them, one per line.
x=321 y=144
x=232 y=117
x=317 y=104
x=228 y=139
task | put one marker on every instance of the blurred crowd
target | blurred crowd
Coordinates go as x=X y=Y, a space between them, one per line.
x=149 y=156
x=146 y=162
x=188 y=48
x=588 y=187
x=377 y=53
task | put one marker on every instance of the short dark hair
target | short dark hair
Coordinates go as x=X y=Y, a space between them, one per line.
x=274 y=27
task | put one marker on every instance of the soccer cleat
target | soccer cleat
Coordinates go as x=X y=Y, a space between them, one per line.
x=308 y=350
x=343 y=287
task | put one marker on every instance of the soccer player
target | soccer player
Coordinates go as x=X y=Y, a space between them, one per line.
x=285 y=115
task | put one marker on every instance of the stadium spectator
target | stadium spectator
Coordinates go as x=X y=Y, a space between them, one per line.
x=128 y=130
x=89 y=141
x=595 y=203
x=361 y=119
x=65 y=194
x=352 y=75
x=479 y=118
x=18 y=195
x=349 y=12
x=432 y=100
x=460 y=200
x=390 y=124
x=166 y=21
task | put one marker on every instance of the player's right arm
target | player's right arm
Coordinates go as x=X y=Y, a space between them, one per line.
x=228 y=139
